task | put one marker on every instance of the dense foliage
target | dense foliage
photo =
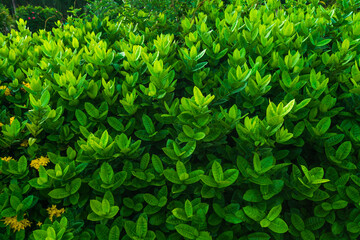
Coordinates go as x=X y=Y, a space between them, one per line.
x=6 y=20
x=38 y=17
x=237 y=121
x=61 y=5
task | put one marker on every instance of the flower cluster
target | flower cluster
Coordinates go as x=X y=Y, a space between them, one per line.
x=7 y=159
x=15 y=224
x=41 y=161
x=25 y=85
x=32 y=17
x=7 y=90
x=25 y=143
x=53 y=211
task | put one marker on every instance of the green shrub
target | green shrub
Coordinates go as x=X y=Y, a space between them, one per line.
x=102 y=9
x=6 y=21
x=173 y=9
x=244 y=125
x=38 y=17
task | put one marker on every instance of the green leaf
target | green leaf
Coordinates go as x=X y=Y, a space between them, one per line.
x=343 y=151
x=186 y=129
x=302 y=104
x=27 y=202
x=180 y=214
x=307 y=235
x=278 y=226
x=274 y=212
x=45 y=98
x=102 y=231
x=105 y=205
x=75 y=185
x=104 y=139
x=209 y=181
x=115 y=124
x=91 y=110
x=157 y=164
x=297 y=221
x=187 y=231
x=81 y=117
x=114 y=233
x=353 y=194
x=340 y=204
x=96 y=207
x=149 y=126
x=40 y=234
x=323 y=42
x=334 y=140
x=257 y=163
x=106 y=173
x=258 y=236
x=172 y=176
x=141 y=226
x=59 y=193
x=199 y=66
x=288 y=108
x=314 y=223
x=253 y=195
x=188 y=208
x=254 y=213
x=230 y=177
x=217 y=171
x=151 y=199
x=200 y=55
x=323 y=125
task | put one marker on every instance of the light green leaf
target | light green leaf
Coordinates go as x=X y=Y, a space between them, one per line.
x=187 y=231
x=59 y=193
x=343 y=151
x=278 y=226
x=217 y=171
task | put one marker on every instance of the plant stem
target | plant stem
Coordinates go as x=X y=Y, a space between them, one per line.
x=14 y=6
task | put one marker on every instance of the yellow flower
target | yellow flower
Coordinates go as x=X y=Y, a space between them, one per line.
x=26 y=85
x=25 y=143
x=7 y=159
x=53 y=211
x=14 y=224
x=41 y=161
x=39 y=223
x=1 y=124
x=11 y=120
x=7 y=90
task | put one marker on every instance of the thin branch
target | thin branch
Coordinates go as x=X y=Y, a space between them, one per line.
x=197 y=8
x=14 y=6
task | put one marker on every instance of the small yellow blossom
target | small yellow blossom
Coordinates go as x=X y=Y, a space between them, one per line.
x=11 y=120
x=25 y=143
x=7 y=90
x=26 y=85
x=7 y=159
x=1 y=124
x=39 y=223
x=15 y=224
x=41 y=161
x=53 y=211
